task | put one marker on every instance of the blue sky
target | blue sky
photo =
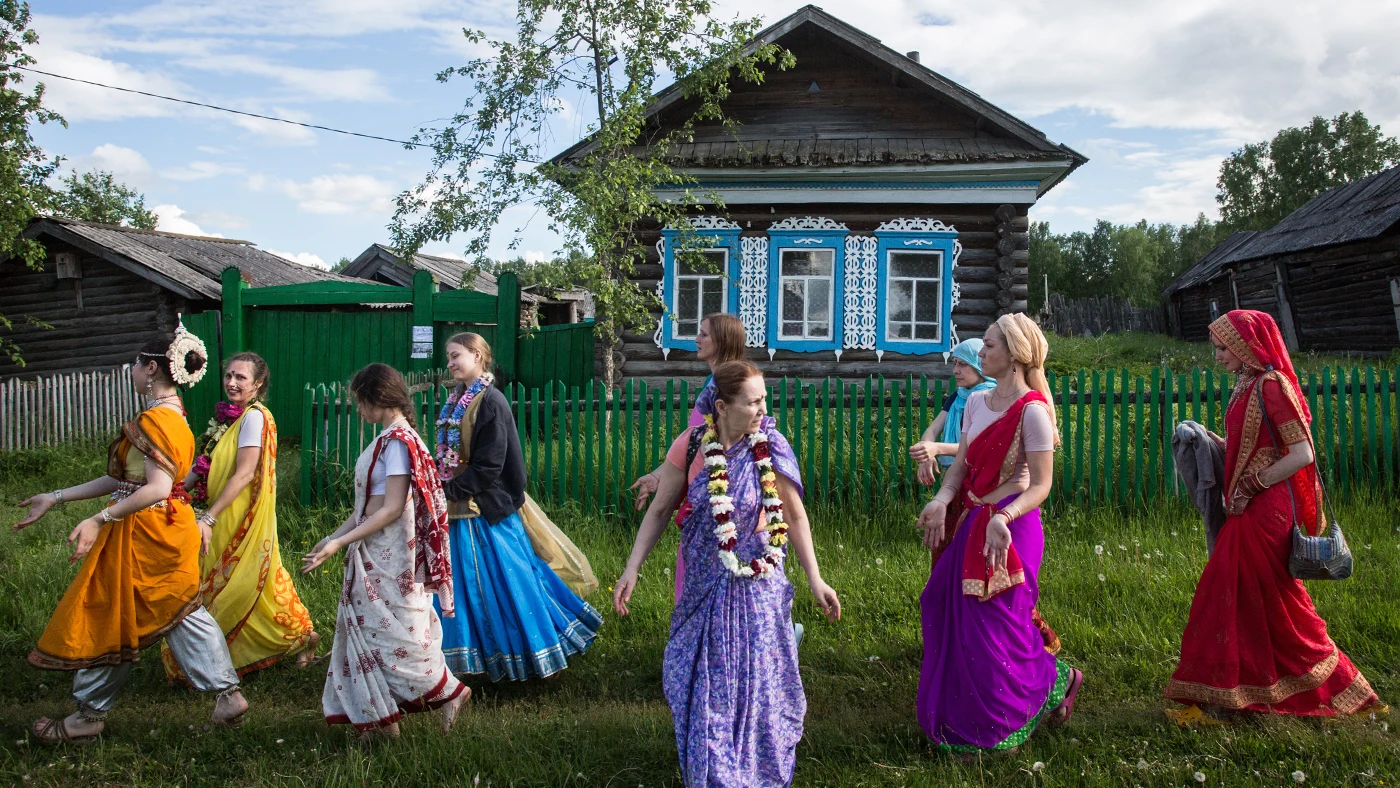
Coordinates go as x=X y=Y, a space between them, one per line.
x=1155 y=94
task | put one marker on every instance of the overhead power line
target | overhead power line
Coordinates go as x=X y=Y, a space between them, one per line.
x=224 y=109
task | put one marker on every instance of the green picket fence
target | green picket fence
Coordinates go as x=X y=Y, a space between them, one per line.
x=587 y=444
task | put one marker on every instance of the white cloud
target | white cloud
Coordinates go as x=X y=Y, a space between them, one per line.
x=199 y=170
x=304 y=258
x=125 y=164
x=218 y=218
x=339 y=193
x=171 y=219
x=533 y=256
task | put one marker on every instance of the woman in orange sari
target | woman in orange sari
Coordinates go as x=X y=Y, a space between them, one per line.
x=1254 y=642
x=139 y=578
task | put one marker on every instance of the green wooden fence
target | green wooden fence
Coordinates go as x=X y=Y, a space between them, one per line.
x=587 y=445
x=325 y=331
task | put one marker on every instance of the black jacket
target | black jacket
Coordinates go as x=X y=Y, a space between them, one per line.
x=495 y=476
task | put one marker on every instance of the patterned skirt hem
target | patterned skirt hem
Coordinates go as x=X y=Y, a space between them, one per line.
x=427 y=702
x=1063 y=674
x=523 y=667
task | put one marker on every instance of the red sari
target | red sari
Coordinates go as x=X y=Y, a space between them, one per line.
x=1254 y=641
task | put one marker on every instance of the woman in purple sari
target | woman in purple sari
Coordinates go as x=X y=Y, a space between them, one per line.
x=989 y=675
x=730 y=669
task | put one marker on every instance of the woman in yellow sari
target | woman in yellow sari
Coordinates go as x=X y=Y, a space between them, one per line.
x=242 y=580
x=139 y=578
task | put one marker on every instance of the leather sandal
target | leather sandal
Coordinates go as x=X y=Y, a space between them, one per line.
x=52 y=733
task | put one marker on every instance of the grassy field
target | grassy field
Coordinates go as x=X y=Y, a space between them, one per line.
x=605 y=722
x=1141 y=352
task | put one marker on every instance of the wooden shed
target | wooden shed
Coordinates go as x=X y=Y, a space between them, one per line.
x=106 y=289
x=1329 y=272
x=1205 y=291
x=875 y=213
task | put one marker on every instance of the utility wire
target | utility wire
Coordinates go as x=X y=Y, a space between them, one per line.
x=225 y=109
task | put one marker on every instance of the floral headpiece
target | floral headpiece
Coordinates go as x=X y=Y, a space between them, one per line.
x=184 y=343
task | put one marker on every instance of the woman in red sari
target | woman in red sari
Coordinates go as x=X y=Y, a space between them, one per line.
x=1254 y=642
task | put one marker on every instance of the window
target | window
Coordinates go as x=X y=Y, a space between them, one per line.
x=806 y=291
x=700 y=288
x=1214 y=310
x=915 y=309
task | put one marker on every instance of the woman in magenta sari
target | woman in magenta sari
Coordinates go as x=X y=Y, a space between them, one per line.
x=989 y=677
x=1254 y=641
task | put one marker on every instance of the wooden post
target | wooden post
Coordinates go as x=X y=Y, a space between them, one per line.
x=1285 y=311
x=232 y=309
x=507 y=323
x=1395 y=299
x=424 y=286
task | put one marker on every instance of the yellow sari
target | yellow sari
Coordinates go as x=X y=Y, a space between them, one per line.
x=141 y=577
x=244 y=585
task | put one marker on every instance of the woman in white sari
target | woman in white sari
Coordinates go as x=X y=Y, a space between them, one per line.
x=387 y=658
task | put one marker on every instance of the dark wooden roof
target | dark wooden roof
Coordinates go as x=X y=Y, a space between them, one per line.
x=1354 y=212
x=380 y=259
x=1211 y=264
x=918 y=116
x=189 y=265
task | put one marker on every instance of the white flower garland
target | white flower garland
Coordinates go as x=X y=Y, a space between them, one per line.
x=722 y=506
x=182 y=345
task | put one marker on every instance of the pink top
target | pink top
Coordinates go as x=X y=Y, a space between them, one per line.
x=1037 y=431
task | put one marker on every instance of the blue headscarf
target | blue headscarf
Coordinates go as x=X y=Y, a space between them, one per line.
x=966 y=352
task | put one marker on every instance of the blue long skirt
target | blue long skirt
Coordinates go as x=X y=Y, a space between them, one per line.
x=515 y=618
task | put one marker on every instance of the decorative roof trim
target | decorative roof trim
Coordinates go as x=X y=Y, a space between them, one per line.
x=807 y=223
x=708 y=222
x=916 y=225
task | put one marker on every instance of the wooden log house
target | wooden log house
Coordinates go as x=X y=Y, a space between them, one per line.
x=1329 y=273
x=106 y=289
x=875 y=213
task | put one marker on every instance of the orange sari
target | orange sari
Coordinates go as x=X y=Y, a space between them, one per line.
x=142 y=576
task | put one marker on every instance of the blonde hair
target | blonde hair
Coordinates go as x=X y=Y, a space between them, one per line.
x=1027 y=346
x=476 y=343
x=727 y=331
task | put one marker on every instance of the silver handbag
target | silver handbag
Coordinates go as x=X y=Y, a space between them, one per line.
x=1324 y=557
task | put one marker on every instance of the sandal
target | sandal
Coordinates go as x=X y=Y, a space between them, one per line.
x=308 y=657
x=452 y=708
x=1062 y=712
x=55 y=732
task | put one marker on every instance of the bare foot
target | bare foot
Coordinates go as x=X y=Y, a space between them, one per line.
x=449 y=709
x=307 y=657
x=229 y=708
x=375 y=735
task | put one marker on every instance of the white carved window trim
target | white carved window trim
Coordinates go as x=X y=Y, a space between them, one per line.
x=753 y=289
x=859 y=299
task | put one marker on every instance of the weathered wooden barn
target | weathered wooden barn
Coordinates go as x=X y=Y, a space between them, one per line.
x=381 y=264
x=105 y=290
x=875 y=213
x=1205 y=291
x=1329 y=272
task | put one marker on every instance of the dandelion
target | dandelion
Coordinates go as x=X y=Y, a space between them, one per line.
x=1200 y=777
x=840 y=547
x=279 y=741
x=1098 y=549
x=19 y=743
x=1038 y=767
x=1102 y=578
x=1299 y=777
x=1385 y=727
x=879 y=561
x=1123 y=547
x=1142 y=764
x=1173 y=533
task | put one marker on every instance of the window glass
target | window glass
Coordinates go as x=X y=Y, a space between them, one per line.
x=806 y=292
x=700 y=286
x=914 y=296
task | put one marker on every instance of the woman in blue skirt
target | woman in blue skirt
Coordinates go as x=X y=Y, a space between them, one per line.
x=515 y=618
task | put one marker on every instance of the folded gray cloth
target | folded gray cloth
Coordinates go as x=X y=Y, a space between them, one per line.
x=1201 y=464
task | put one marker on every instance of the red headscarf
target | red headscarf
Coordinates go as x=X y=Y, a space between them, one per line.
x=1255 y=339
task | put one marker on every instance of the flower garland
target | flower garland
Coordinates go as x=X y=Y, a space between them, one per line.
x=183 y=344
x=449 y=426
x=722 y=506
x=225 y=414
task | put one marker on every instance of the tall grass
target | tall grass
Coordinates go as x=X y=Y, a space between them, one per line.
x=604 y=722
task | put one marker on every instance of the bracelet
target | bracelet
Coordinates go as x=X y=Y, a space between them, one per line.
x=106 y=515
x=1008 y=509
x=57 y=496
x=1252 y=484
x=208 y=518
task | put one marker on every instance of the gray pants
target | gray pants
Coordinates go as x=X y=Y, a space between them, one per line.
x=197 y=644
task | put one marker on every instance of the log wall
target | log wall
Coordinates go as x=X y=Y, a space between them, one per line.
x=97 y=322
x=991 y=271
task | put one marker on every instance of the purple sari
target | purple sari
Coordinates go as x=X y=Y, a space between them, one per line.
x=730 y=670
x=987 y=681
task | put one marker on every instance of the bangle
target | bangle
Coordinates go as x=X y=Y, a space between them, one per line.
x=1252 y=484
x=1008 y=509
x=208 y=518
x=57 y=496
x=106 y=515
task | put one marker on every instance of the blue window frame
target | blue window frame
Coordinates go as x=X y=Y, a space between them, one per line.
x=806 y=272
x=914 y=290
x=695 y=289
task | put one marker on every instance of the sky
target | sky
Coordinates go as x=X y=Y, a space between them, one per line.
x=1154 y=94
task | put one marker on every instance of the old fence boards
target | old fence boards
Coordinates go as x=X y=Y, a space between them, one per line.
x=1096 y=316
x=64 y=408
x=852 y=438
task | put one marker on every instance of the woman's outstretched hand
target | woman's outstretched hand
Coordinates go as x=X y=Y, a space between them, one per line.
x=622 y=591
x=83 y=537
x=38 y=505
x=826 y=599
x=998 y=543
x=931 y=520
x=928 y=472
x=319 y=554
x=645 y=487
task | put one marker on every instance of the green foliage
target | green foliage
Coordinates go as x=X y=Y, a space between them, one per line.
x=1133 y=261
x=1263 y=182
x=485 y=157
x=562 y=272
x=1140 y=352
x=98 y=197
x=604 y=721
x=24 y=168
x=341 y=265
